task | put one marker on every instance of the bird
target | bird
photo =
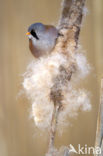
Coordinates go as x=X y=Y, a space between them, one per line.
x=42 y=39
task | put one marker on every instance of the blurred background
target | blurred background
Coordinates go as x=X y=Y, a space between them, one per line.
x=18 y=135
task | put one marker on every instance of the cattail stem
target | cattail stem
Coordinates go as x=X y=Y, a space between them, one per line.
x=69 y=27
x=53 y=130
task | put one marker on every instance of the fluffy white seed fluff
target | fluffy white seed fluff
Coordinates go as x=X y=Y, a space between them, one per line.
x=37 y=84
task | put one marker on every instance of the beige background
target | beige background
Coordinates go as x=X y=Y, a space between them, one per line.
x=18 y=135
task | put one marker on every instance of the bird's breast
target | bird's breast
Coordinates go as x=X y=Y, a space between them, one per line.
x=33 y=49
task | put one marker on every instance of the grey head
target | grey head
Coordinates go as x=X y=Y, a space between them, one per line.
x=36 y=29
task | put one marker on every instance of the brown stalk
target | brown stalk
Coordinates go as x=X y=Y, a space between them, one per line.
x=99 y=132
x=69 y=28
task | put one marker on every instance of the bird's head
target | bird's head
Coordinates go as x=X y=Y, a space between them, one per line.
x=35 y=31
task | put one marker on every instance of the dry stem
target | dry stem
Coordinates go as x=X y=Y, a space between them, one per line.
x=69 y=28
x=99 y=132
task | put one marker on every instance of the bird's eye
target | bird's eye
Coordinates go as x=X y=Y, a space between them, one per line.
x=34 y=34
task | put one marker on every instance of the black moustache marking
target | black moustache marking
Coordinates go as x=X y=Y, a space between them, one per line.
x=34 y=34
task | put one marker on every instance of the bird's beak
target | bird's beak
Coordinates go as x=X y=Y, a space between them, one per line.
x=28 y=33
